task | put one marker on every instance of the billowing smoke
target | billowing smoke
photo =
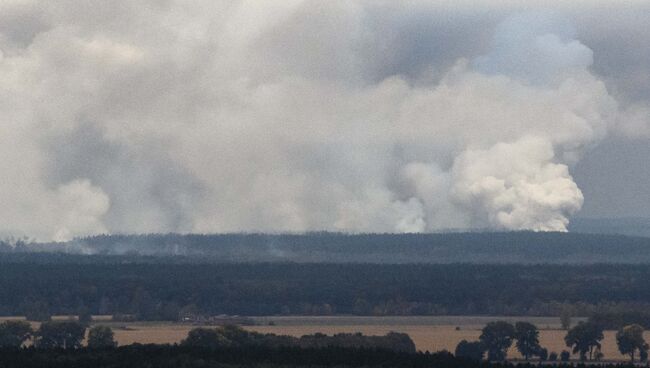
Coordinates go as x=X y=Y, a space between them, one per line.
x=156 y=116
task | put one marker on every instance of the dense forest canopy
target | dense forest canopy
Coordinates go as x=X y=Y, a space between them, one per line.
x=157 y=290
x=477 y=247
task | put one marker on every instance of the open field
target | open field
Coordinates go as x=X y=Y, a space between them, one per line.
x=440 y=337
x=428 y=333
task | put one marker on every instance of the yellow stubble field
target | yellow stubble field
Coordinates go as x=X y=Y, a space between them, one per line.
x=428 y=333
x=441 y=337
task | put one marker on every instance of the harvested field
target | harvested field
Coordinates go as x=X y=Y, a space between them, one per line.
x=428 y=333
x=441 y=337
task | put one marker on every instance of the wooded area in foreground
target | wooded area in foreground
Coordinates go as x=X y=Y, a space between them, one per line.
x=167 y=356
x=174 y=356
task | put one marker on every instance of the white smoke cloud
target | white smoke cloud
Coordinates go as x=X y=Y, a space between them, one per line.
x=80 y=207
x=517 y=186
x=228 y=116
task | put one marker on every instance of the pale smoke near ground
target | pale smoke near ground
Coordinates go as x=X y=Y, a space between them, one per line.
x=281 y=116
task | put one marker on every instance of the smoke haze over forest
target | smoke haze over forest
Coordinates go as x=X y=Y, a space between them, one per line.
x=229 y=116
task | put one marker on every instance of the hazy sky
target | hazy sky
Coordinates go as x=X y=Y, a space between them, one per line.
x=210 y=116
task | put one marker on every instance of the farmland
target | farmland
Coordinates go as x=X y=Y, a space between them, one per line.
x=147 y=296
x=429 y=333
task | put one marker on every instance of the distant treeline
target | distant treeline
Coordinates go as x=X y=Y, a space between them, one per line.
x=168 y=291
x=234 y=336
x=71 y=334
x=633 y=226
x=614 y=319
x=474 y=247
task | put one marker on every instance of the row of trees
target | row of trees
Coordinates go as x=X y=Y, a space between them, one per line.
x=584 y=339
x=70 y=335
x=234 y=336
x=496 y=339
x=54 y=334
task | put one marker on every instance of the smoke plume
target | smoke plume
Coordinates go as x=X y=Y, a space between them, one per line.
x=157 y=116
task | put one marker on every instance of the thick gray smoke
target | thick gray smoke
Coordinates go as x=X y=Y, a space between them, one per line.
x=156 y=116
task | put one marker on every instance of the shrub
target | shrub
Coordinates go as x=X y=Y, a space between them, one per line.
x=565 y=356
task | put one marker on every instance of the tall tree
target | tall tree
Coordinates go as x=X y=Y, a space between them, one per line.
x=65 y=335
x=630 y=339
x=565 y=318
x=584 y=337
x=469 y=350
x=205 y=338
x=527 y=336
x=497 y=337
x=101 y=337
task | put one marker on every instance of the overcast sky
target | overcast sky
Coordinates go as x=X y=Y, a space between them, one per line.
x=212 y=116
